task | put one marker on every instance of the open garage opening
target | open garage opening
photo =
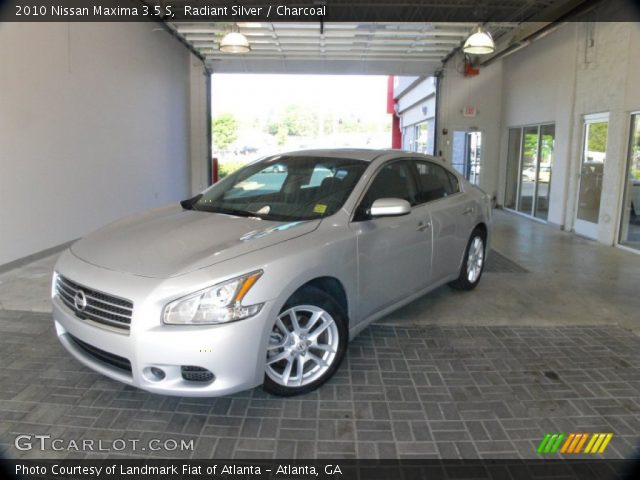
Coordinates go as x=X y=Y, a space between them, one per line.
x=254 y=115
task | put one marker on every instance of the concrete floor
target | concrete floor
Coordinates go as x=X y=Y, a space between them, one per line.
x=541 y=346
x=571 y=281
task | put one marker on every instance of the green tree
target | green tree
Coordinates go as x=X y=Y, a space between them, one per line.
x=598 y=137
x=530 y=149
x=281 y=135
x=225 y=130
x=295 y=121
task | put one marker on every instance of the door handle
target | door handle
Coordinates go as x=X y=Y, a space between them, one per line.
x=468 y=211
x=422 y=226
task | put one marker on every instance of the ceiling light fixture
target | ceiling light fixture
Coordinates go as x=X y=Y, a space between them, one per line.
x=479 y=42
x=234 y=42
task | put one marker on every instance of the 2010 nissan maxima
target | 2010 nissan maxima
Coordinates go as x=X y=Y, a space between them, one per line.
x=264 y=277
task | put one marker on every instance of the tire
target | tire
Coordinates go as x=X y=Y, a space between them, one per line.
x=476 y=254
x=316 y=345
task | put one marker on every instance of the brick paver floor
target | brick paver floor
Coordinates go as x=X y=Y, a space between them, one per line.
x=426 y=392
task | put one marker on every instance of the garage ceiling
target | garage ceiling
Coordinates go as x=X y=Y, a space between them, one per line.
x=400 y=48
x=366 y=47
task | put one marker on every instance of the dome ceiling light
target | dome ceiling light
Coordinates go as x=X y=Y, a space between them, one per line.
x=234 y=42
x=479 y=42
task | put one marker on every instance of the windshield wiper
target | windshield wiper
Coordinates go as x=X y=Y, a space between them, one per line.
x=237 y=213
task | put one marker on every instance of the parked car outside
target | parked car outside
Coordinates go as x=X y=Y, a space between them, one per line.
x=255 y=282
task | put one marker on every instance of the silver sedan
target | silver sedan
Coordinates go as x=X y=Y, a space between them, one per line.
x=263 y=278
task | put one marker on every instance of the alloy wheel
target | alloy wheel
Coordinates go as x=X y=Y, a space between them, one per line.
x=302 y=346
x=475 y=259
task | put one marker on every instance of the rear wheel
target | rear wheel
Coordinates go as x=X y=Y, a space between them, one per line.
x=306 y=345
x=473 y=264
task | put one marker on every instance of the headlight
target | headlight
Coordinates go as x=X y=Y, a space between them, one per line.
x=218 y=304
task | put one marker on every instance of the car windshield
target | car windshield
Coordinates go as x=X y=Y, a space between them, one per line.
x=284 y=188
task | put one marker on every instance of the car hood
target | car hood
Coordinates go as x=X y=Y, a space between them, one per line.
x=170 y=241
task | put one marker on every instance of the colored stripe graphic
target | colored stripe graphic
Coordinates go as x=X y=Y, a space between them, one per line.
x=543 y=443
x=550 y=443
x=574 y=443
x=598 y=442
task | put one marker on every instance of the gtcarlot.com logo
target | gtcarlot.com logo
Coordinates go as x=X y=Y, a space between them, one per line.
x=574 y=443
x=46 y=442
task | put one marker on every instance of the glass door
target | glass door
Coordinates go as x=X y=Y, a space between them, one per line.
x=474 y=149
x=529 y=166
x=630 y=226
x=545 y=149
x=513 y=168
x=596 y=128
x=528 y=169
x=467 y=154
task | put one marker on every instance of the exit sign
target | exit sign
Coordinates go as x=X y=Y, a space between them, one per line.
x=469 y=112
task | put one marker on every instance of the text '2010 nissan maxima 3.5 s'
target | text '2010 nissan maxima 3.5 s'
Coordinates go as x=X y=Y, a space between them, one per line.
x=263 y=278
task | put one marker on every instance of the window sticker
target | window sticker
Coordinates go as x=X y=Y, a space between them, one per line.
x=319 y=208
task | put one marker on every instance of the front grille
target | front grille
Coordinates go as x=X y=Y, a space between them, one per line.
x=196 y=374
x=116 y=361
x=100 y=307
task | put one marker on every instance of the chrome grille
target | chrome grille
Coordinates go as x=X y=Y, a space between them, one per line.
x=100 y=307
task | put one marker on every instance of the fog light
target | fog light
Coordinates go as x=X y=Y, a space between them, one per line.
x=196 y=374
x=154 y=374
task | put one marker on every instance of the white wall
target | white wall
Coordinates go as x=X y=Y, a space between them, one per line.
x=402 y=83
x=415 y=105
x=484 y=92
x=558 y=79
x=602 y=85
x=538 y=87
x=198 y=126
x=94 y=122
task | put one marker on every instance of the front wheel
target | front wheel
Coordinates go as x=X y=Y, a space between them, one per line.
x=473 y=263
x=306 y=345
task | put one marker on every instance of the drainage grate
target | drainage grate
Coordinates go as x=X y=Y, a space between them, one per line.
x=498 y=263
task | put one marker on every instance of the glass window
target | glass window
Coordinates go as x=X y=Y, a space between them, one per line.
x=434 y=182
x=453 y=180
x=529 y=166
x=547 y=142
x=320 y=172
x=474 y=140
x=630 y=227
x=529 y=169
x=393 y=181
x=513 y=165
x=592 y=170
x=459 y=153
x=422 y=137
x=466 y=154
x=407 y=138
x=289 y=188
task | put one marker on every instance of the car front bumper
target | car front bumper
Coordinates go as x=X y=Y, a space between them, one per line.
x=234 y=352
x=230 y=352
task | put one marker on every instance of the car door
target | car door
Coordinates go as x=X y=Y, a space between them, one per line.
x=394 y=253
x=450 y=213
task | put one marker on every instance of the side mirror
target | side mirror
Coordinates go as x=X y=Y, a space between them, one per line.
x=389 y=207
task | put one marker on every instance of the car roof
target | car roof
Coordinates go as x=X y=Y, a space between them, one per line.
x=365 y=154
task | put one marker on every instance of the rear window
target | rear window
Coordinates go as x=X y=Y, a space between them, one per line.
x=434 y=182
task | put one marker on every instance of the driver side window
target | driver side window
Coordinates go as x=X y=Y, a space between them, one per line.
x=392 y=181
